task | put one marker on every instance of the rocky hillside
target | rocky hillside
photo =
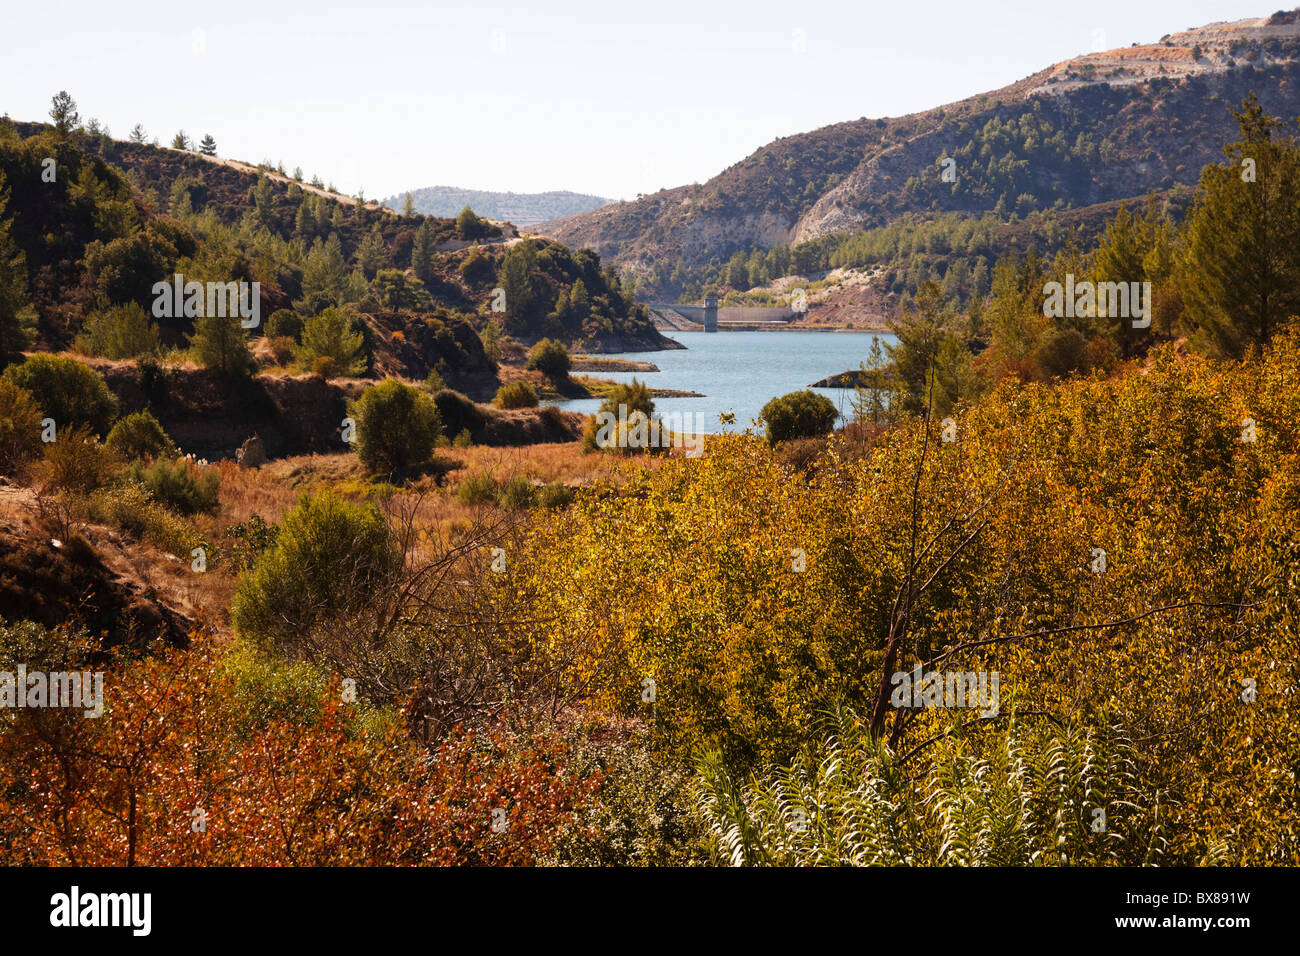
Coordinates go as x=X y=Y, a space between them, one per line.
x=1094 y=129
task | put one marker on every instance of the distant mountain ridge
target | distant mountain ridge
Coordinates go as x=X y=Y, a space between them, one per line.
x=522 y=209
x=1116 y=125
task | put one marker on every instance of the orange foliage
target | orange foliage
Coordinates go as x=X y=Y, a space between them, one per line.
x=180 y=771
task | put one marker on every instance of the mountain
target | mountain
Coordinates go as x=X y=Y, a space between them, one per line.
x=522 y=209
x=1108 y=126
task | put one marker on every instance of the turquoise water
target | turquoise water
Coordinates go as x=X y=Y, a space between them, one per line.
x=739 y=371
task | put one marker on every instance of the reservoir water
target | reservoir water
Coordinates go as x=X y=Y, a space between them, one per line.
x=739 y=371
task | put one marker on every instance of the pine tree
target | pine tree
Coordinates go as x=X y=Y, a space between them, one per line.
x=422 y=252
x=1134 y=249
x=17 y=317
x=874 y=396
x=372 y=254
x=1242 y=264
x=516 y=282
x=330 y=336
x=220 y=343
x=63 y=110
x=179 y=203
x=138 y=135
x=928 y=352
x=491 y=338
x=408 y=206
x=208 y=147
x=264 y=201
x=325 y=277
x=180 y=141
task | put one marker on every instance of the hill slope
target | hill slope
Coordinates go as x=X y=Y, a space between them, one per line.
x=121 y=216
x=1098 y=128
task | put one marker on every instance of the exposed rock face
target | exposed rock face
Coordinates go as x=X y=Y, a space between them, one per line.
x=410 y=346
x=204 y=415
x=251 y=453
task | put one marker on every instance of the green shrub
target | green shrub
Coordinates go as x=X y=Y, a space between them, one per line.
x=397 y=426
x=328 y=559
x=67 y=391
x=463 y=439
x=550 y=358
x=20 y=428
x=635 y=395
x=621 y=402
x=516 y=395
x=477 y=268
x=554 y=495
x=469 y=225
x=270 y=690
x=329 y=335
x=77 y=462
x=249 y=540
x=122 y=332
x=180 y=484
x=803 y=414
x=517 y=494
x=284 y=322
x=128 y=507
x=645 y=813
x=434 y=383
x=139 y=435
x=459 y=413
x=477 y=489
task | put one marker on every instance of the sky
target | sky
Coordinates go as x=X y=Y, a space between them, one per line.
x=605 y=97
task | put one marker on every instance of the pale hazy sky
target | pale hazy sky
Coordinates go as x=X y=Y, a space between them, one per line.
x=596 y=96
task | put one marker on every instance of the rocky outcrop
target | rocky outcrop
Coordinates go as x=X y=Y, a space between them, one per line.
x=251 y=453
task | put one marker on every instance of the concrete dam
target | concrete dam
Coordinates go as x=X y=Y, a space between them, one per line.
x=710 y=317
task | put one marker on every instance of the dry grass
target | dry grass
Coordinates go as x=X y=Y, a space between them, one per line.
x=561 y=462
